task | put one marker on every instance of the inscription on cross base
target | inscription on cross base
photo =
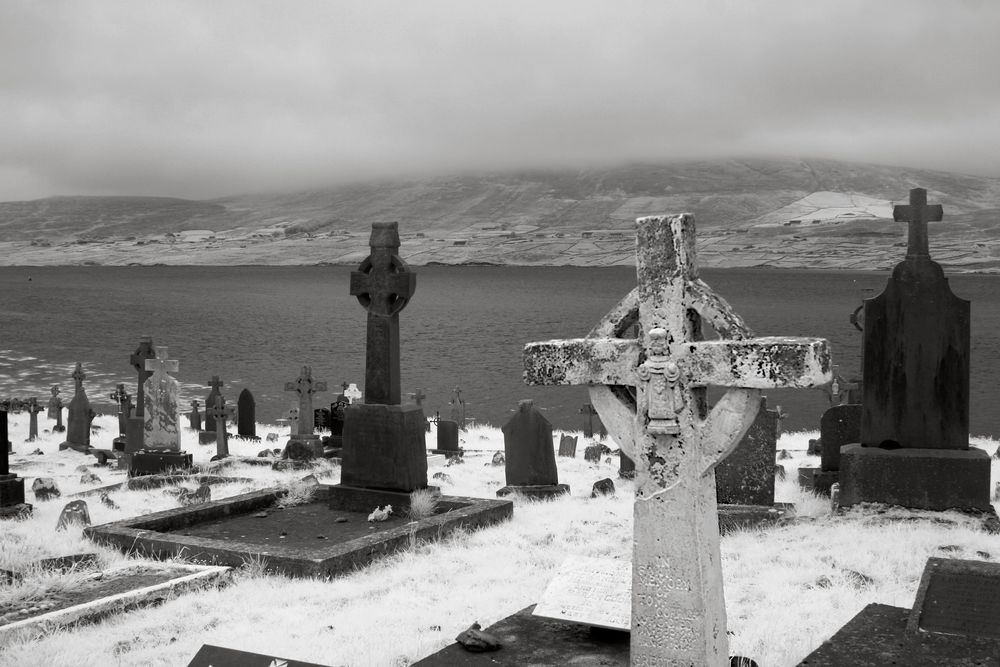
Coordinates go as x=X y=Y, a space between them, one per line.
x=678 y=608
x=384 y=285
x=305 y=387
x=917 y=213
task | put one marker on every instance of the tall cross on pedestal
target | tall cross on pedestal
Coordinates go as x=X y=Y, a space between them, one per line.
x=917 y=213
x=383 y=284
x=305 y=386
x=138 y=360
x=220 y=412
x=678 y=607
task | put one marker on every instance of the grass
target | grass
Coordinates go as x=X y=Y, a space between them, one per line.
x=787 y=588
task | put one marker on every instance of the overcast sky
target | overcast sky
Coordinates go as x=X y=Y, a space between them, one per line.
x=208 y=98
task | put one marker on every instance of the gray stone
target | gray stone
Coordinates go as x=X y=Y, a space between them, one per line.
x=567 y=445
x=746 y=476
x=75 y=512
x=161 y=429
x=593 y=453
x=384 y=447
x=498 y=459
x=839 y=426
x=216 y=384
x=603 y=487
x=89 y=478
x=194 y=417
x=527 y=442
x=475 y=639
x=45 y=488
x=202 y=494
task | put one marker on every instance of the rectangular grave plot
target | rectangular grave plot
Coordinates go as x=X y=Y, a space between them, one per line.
x=226 y=532
x=105 y=593
x=958 y=597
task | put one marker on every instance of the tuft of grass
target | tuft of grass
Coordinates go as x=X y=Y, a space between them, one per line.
x=423 y=504
x=299 y=493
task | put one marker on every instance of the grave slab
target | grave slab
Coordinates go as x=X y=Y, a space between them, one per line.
x=104 y=593
x=220 y=656
x=233 y=530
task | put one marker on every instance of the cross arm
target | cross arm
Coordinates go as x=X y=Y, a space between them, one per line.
x=608 y=361
x=759 y=363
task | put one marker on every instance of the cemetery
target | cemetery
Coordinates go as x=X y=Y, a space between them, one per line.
x=658 y=530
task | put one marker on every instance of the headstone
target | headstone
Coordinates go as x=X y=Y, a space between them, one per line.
x=567 y=445
x=678 y=609
x=11 y=486
x=530 y=457
x=337 y=415
x=246 y=409
x=458 y=408
x=588 y=413
x=304 y=387
x=603 y=487
x=914 y=449
x=135 y=427
x=418 y=399
x=124 y=403
x=194 y=417
x=33 y=409
x=55 y=404
x=447 y=436
x=220 y=413
x=75 y=512
x=80 y=414
x=839 y=426
x=216 y=384
x=45 y=488
x=321 y=419
x=384 y=442
x=161 y=408
x=746 y=476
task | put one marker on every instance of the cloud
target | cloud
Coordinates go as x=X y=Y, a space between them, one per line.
x=205 y=99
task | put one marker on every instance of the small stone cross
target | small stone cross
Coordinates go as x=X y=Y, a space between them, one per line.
x=418 y=397
x=384 y=285
x=160 y=364
x=220 y=412
x=917 y=213
x=78 y=376
x=305 y=386
x=215 y=383
x=678 y=608
x=138 y=360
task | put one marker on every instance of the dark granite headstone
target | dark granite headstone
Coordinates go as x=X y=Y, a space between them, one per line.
x=194 y=417
x=383 y=443
x=78 y=422
x=567 y=445
x=530 y=460
x=447 y=436
x=914 y=446
x=218 y=656
x=135 y=426
x=588 y=412
x=337 y=415
x=246 y=411
x=839 y=426
x=746 y=476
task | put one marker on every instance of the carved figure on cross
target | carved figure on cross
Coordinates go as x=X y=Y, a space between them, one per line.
x=220 y=412
x=383 y=285
x=305 y=386
x=650 y=393
x=917 y=213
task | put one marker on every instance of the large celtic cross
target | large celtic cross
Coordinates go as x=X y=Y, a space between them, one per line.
x=650 y=393
x=383 y=284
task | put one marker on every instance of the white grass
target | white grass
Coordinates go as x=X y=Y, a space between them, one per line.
x=779 y=606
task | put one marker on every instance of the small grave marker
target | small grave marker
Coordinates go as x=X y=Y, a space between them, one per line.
x=124 y=402
x=746 y=476
x=588 y=412
x=457 y=404
x=33 y=409
x=220 y=656
x=80 y=415
x=194 y=417
x=567 y=445
x=246 y=411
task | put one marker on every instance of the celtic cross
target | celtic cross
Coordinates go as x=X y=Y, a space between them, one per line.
x=305 y=387
x=650 y=393
x=220 y=412
x=384 y=285
x=917 y=213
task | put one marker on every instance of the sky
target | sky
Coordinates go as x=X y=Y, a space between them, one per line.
x=205 y=99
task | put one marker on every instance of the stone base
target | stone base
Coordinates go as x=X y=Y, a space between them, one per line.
x=818 y=480
x=11 y=490
x=145 y=462
x=206 y=437
x=539 y=492
x=878 y=636
x=15 y=511
x=384 y=447
x=931 y=479
x=76 y=446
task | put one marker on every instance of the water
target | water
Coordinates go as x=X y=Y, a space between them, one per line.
x=256 y=326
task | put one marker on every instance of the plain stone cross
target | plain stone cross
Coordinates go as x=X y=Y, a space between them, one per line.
x=384 y=285
x=678 y=607
x=917 y=213
x=220 y=412
x=305 y=386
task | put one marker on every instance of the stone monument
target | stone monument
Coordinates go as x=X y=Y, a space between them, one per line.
x=220 y=412
x=33 y=409
x=79 y=416
x=136 y=426
x=246 y=411
x=207 y=436
x=529 y=457
x=304 y=386
x=678 y=608
x=161 y=418
x=194 y=417
x=384 y=445
x=124 y=403
x=914 y=449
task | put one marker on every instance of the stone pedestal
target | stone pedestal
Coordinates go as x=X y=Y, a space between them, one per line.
x=384 y=447
x=11 y=490
x=147 y=462
x=933 y=479
x=543 y=492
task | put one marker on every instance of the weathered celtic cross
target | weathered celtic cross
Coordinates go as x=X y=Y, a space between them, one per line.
x=383 y=284
x=678 y=607
x=220 y=412
x=305 y=387
x=917 y=214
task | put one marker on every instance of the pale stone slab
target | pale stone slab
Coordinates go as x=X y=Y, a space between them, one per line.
x=591 y=591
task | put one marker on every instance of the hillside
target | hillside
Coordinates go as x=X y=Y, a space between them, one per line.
x=762 y=212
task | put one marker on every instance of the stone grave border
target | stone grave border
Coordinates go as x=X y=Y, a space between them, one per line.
x=196 y=575
x=149 y=535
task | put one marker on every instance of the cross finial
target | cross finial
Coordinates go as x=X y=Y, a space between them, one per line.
x=215 y=383
x=78 y=375
x=161 y=363
x=917 y=214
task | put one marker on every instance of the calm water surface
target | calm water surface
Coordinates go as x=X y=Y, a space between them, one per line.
x=256 y=326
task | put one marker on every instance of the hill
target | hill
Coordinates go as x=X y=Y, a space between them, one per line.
x=750 y=212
